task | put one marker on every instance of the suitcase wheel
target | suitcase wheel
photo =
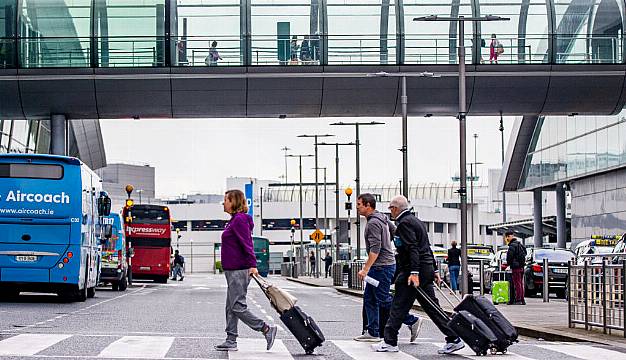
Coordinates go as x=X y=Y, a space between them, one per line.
x=308 y=351
x=494 y=351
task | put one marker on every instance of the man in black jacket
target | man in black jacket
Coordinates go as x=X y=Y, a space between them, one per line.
x=416 y=268
x=516 y=259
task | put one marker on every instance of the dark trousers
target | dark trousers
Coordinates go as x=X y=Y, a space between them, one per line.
x=327 y=270
x=518 y=284
x=403 y=301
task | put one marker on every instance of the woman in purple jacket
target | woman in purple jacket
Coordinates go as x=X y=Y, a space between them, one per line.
x=239 y=263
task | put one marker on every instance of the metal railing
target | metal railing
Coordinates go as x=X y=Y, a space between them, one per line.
x=337 y=270
x=353 y=280
x=596 y=292
x=261 y=50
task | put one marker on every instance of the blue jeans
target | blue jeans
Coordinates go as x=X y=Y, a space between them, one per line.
x=377 y=297
x=454 y=276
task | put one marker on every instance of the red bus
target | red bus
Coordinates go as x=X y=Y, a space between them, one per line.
x=148 y=233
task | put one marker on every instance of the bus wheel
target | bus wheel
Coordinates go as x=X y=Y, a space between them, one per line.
x=123 y=284
x=91 y=292
x=81 y=295
x=115 y=286
x=9 y=294
x=162 y=280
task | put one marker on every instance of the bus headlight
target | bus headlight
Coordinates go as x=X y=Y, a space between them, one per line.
x=61 y=265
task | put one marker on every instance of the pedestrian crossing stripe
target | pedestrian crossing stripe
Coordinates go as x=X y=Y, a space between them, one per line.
x=363 y=350
x=585 y=352
x=138 y=347
x=158 y=347
x=467 y=352
x=29 y=344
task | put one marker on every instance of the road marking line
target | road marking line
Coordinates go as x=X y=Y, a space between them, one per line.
x=467 y=352
x=362 y=350
x=138 y=347
x=585 y=351
x=263 y=311
x=29 y=344
x=255 y=349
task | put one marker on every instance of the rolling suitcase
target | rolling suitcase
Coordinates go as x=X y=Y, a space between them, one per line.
x=500 y=292
x=303 y=328
x=473 y=331
x=301 y=325
x=482 y=308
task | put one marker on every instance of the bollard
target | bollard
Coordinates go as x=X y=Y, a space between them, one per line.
x=546 y=287
x=481 y=277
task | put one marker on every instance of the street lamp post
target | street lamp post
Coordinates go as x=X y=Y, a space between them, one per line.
x=292 y=258
x=462 y=126
x=317 y=268
x=358 y=173
x=405 y=122
x=336 y=145
x=285 y=149
x=302 y=259
x=316 y=137
x=502 y=146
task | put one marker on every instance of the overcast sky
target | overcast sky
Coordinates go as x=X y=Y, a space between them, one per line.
x=197 y=155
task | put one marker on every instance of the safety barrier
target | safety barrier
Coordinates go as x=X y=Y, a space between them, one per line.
x=353 y=281
x=289 y=269
x=597 y=292
x=337 y=271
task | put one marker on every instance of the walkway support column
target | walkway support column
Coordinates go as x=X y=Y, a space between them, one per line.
x=561 y=227
x=58 y=134
x=537 y=218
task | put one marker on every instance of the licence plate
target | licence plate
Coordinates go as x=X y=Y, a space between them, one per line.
x=145 y=268
x=560 y=271
x=24 y=258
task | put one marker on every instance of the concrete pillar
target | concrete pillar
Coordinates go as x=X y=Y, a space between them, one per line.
x=58 y=134
x=537 y=218
x=561 y=226
x=446 y=234
x=431 y=232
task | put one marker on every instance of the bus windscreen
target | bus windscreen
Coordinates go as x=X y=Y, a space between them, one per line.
x=31 y=171
x=150 y=242
x=150 y=215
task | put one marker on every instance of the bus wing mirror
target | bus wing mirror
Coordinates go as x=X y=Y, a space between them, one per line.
x=104 y=204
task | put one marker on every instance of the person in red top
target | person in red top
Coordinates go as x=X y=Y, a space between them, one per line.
x=239 y=263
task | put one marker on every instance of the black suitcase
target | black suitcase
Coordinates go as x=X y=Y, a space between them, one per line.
x=473 y=331
x=483 y=308
x=303 y=328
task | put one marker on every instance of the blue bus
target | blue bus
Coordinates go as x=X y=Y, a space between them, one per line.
x=50 y=213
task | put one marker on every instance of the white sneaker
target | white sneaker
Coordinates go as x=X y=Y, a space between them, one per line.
x=449 y=348
x=366 y=338
x=415 y=329
x=384 y=347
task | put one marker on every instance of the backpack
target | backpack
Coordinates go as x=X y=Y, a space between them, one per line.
x=500 y=48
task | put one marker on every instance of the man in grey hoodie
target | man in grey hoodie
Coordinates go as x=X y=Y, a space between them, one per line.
x=380 y=266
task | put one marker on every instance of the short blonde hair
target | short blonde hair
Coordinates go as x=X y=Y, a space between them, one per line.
x=238 y=199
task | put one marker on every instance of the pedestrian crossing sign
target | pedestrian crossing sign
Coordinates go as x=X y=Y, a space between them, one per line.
x=317 y=236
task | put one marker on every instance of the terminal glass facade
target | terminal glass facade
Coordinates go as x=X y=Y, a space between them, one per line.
x=24 y=136
x=565 y=147
x=160 y=33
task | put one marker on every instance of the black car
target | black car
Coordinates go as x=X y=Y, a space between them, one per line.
x=557 y=265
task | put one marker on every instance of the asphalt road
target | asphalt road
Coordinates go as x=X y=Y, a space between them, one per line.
x=184 y=320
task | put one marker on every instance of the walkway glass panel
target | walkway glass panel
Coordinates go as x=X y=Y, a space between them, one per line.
x=524 y=38
x=7 y=33
x=130 y=33
x=285 y=32
x=55 y=33
x=589 y=31
x=435 y=42
x=199 y=24
x=361 y=32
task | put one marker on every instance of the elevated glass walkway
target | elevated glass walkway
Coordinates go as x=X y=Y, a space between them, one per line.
x=236 y=33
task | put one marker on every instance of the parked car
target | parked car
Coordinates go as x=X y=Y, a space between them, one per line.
x=475 y=253
x=595 y=246
x=557 y=277
x=498 y=263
